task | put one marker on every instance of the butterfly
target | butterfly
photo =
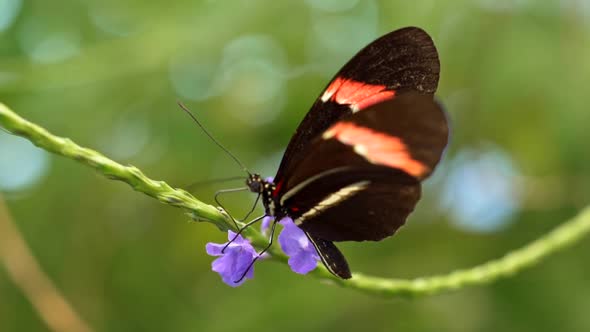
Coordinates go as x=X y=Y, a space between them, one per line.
x=353 y=168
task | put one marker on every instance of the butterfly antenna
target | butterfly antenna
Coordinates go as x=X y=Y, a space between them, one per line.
x=197 y=184
x=184 y=108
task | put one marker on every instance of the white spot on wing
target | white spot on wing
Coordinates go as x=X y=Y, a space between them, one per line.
x=327 y=95
x=361 y=149
x=332 y=200
x=328 y=134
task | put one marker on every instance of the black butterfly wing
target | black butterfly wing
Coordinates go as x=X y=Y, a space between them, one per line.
x=361 y=178
x=352 y=205
x=401 y=61
x=331 y=257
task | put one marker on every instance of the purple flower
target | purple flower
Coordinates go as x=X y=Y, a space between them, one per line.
x=234 y=261
x=302 y=254
x=266 y=224
x=239 y=254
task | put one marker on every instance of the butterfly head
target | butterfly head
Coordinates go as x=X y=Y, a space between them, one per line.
x=265 y=188
x=255 y=183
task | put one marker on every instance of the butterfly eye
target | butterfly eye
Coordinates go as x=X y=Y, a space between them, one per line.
x=253 y=185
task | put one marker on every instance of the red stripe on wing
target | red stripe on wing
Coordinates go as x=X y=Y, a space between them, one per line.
x=376 y=147
x=358 y=95
x=278 y=187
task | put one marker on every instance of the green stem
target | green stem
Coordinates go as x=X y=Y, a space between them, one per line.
x=564 y=235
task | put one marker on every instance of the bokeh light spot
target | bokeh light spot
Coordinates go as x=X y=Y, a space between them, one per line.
x=22 y=164
x=9 y=10
x=127 y=139
x=480 y=191
x=48 y=47
x=336 y=38
x=253 y=69
x=191 y=79
x=114 y=21
x=254 y=81
x=251 y=77
x=54 y=48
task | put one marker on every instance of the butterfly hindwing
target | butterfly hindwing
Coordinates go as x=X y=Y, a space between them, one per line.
x=354 y=204
x=401 y=61
x=331 y=257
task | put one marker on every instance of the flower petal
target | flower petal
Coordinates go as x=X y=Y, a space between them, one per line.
x=214 y=249
x=221 y=265
x=292 y=239
x=303 y=262
x=238 y=240
x=243 y=261
x=303 y=256
x=233 y=262
x=265 y=224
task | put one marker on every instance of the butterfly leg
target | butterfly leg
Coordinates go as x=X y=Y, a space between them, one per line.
x=225 y=191
x=270 y=241
x=252 y=209
x=240 y=230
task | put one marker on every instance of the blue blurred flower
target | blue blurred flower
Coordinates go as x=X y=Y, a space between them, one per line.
x=481 y=190
x=234 y=260
x=302 y=254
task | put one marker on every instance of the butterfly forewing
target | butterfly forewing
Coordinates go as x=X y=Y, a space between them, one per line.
x=405 y=59
x=401 y=61
x=408 y=133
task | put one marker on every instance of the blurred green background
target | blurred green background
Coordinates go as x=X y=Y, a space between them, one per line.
x=514 y=78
